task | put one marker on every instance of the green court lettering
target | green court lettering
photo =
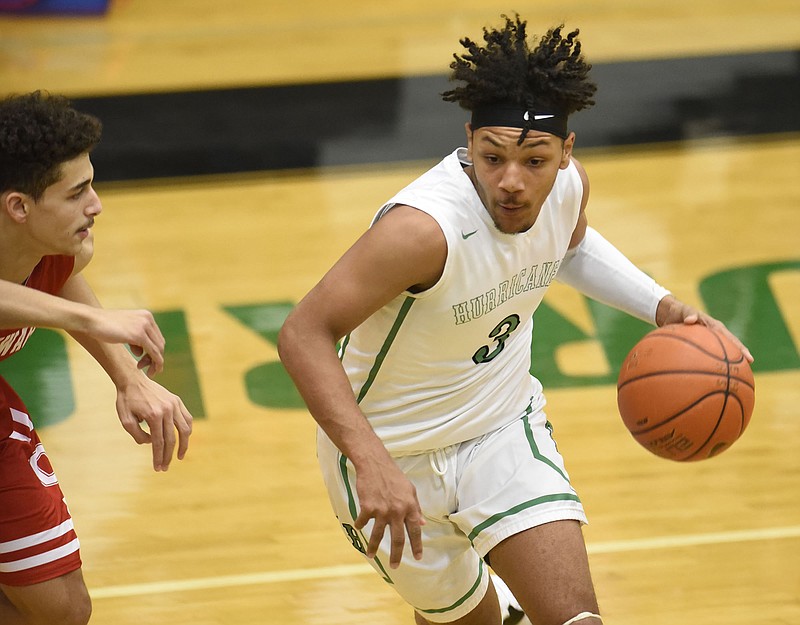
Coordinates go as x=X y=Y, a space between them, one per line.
x=40 y=375
x=743 y=298
x=267 y=385
x=615 y=331
x=180 y=371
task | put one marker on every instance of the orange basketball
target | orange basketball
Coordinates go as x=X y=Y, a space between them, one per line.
x=685 y=392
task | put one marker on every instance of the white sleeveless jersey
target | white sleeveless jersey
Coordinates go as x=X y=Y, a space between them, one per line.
x=452 y=363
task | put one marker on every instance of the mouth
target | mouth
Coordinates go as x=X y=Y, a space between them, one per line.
x=88 y=225
x=84 y=231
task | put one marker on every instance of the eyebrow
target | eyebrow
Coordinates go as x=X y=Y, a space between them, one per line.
x=80 y=185
x=529 y=143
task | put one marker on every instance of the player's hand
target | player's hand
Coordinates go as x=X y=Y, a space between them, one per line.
x=140 y=400
x=145 y=362
x=138 y=329
x=672 y=310
x=389 y=499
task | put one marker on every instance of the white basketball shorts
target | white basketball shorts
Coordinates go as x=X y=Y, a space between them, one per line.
x=473 y=495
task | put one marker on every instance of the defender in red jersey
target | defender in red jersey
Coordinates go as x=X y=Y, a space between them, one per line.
x=47 y=210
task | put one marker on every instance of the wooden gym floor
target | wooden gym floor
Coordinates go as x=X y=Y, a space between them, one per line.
x=240 y=533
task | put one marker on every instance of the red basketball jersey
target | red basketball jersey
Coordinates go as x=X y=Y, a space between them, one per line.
x=37 y=538
x=49 y=276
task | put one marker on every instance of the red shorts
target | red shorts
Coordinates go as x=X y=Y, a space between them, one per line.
x=37 y=540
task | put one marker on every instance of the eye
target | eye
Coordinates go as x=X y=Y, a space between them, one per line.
x=78 y=193
x=536 y=162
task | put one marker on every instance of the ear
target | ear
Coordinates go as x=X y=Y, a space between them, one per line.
x=566 y=151
x=468 y=129
x=16 y=204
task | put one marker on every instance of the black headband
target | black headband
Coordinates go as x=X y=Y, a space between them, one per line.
x=514 y=116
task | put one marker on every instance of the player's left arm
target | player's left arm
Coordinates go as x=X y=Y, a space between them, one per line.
x=139 y=399
x=599 y=270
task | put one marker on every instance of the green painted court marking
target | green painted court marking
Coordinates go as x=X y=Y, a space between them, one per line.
x=741 y=297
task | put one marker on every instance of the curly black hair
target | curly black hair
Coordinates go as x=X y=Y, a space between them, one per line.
x=554 y=75
x=38 y=133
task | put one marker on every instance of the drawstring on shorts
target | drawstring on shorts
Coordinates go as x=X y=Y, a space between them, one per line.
x=439 y=462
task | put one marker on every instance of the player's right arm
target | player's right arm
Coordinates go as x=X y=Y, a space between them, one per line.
x=22 y=307
x=404 y=250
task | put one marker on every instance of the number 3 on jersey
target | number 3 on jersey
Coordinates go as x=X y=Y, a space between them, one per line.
x=500 y=333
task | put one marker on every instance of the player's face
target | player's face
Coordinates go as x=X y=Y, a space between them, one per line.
x=60 y=221
x=513 y=181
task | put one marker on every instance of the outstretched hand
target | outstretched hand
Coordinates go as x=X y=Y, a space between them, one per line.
x=672 y=310
x=142 y=400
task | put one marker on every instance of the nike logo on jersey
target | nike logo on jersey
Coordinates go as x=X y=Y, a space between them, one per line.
x=467 y=235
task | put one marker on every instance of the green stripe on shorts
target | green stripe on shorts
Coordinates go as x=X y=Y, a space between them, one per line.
x=518 y=508
x=351 y=504
x=468 y=594
x=533 y=502
x=535 y=448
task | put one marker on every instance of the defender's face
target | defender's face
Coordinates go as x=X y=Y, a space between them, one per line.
x=513 y=181
x=60 y=221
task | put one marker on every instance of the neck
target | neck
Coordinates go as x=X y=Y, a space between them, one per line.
x=16 y=262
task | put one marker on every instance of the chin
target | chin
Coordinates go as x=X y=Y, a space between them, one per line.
x=512 y=228
x=82 y=248
x=86 y=248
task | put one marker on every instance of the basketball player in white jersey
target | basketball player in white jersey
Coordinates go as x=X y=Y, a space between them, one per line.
x=433 y=442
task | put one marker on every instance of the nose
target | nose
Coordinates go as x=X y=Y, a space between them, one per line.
x=511 y=180
x=94 y=207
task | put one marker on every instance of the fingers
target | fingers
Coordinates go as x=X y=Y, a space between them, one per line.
x=163 y=412
x=375 y=536
x=151 y=351
x=156 y=351
x=398 y=536
x=415 y=536
x=132 y=426
x=153 y=365
x=689 y=315
x=148 y=344
x=145 y=340
x=146 y=364
x=716 y=324
x=746 y=353
x=399 y=528
x=163 y=445
x=137 y=328
x=184 y=426
x=180 y=419
x=735 y=340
